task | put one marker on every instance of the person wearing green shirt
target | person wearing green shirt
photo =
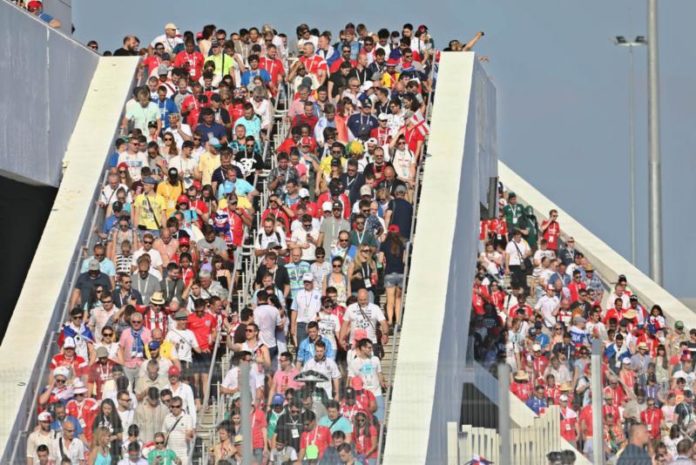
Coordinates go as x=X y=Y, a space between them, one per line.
x=532 y=227
x=160 y=455
x=513 y=213
x=222 y=61
x=277 y=409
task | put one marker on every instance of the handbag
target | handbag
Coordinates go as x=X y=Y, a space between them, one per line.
x=525 y=263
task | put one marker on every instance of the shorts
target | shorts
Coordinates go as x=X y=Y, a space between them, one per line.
x=201 y=363
x=186 y=369
x=394 y=280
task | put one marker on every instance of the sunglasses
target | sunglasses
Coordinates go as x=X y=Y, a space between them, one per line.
x=147 y=242
x=107 y=334
x=175 y=406
x=159 y=443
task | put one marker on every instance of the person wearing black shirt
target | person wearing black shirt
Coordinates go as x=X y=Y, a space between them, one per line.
x=634 y=453
x=289 y=426
x=338 y=81
x=352 y=180
x=249 y=159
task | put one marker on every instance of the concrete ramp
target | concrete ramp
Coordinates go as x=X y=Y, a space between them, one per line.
x=41 y=304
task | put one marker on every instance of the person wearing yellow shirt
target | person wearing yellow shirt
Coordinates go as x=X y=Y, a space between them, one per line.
x=149 y=209
x=209 y=161
x=222 y=61
x=170 y=190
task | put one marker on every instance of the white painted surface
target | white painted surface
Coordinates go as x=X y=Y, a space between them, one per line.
x=87 y=150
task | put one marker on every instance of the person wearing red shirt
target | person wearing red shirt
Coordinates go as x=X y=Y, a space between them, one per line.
x=539 y=362
x=613 y=398
x=191 y=106
x=259 y=428
x=306 y=205
x=480 y=296
x=569 y=421
x=152 y=61
x=204 y=328
x=497 y=296
x=154 y=315
x=652 y=418
x=365 y=436
x=344 y=58
x=521 y=387
x=585 y=426
x=238 y=218
x=307 y=117
x=336 y=195
x=415 y=137
x=314 y=64
x=575 y=286
x=551 y=231
x=83 y=408
x=521 y=305
x=272 y=65
x=67 y=358
x=100 y=372
x=314 y=439
x=616 y=312
x=278 y=211
x=190 y=60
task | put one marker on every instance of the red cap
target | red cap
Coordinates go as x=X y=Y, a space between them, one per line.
x=34 y=4
x=306 y=141
x=123 y=164
x=184 y=240
x=197 y=185
x=356 y=383
x=394 y=228
x=183 y=199
x=174 y=371
x=392 y=62
x=199 y=35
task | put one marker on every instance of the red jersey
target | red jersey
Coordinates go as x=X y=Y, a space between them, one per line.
x=585 y=419
x=310 y=208
x=314 y=64
x=539 y=365
x=193 y=108
x=574 y=288
x=320 y=436
x=521 y=390
x=192 y=62
x=274 y=68
x=258 y=424
x=287 y=145
x=652 y=419
x=336 y=65
x=85 y=412
x=569 y=421
x=279 y=215
x=153 y=319
x=364 y=440
x=343 y=198
x=498 y=298
x=497 y=229
x=100 y=374
x=237 y=225
x=151 y=63
x=478 y=299
x=77 y=364
x=236 y=111
x=382 y=136
x=413 y=137
x=552 y=234
x=528 y=310
x=202 y=327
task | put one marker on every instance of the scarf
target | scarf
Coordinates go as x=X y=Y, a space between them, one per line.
x=138 y=348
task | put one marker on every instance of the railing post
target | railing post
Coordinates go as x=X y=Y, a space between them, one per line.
x=504 y=412
x=452 y=443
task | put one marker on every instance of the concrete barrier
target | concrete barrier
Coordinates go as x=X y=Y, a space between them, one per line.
x=46 y=289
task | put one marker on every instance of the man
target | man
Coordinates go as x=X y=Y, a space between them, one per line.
x=307 y=346
x=280 y=175
x=334 y=421
x=150 y=415
x=270 y=321
x=184 y=341
x=368 y=368
x=140 y=113
x=305 y=307
x=326 y=366
x=366 y=316
x=204 y=326
x=537 y=403
x=683 y=453
x=516 y=252
x=183 y=392
x=180 y=429
x=42 y=438
x=132 y=344
x=361 y=124
x=224 y=63
x=399 y=210
x=87 y=282
x=144 y=281
x=154 y=256
x=134 y=455
x=149 y=210
x=332 y=226
x=634 y=453
x=314 y=439
x=269 y=239
x=161 y=454
x=67 y=445
x=151 y=375
x=289 y=425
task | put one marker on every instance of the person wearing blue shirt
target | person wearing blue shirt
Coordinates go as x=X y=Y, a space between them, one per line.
x=166 y=106
x=250 y=121
x=106 y=266
x=120 y=146
x=61 y=416
x=209 y=128
x=234 y=184
x=308 y=346
x=361 y=124
x=538 y=400
x=253 y=71
x=335 y=421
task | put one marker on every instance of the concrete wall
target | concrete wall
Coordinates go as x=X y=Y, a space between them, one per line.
x=37 y=119
x=43 y=299
x=430 y=370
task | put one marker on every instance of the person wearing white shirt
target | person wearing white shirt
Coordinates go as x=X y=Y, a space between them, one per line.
x=326 y=367
x=306 y=237
x=183 y=339
x=180 y=131
x=124 y=409
x=183 y=391
x=230 y=383
x=549 y=304
x=305 y=308
x=170 y=39
x=67 y=445
x=366 y=316
x=134 y=455
x=179 y=429
x=368 y=368
x=515 y=253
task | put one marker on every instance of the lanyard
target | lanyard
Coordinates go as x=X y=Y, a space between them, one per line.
x=360 y=237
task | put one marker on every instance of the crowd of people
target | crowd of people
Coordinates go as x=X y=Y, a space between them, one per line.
x=195 y=180
x=538 y=305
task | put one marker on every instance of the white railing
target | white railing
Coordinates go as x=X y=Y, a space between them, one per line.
x=529 y=445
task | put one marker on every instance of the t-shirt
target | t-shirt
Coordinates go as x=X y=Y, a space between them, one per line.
x=368 y=370
x=340 y=424
x=202 y=328
x=184 y=340
x=150 y=213
x=140 y=116
x=395 y=262
x=167 y=456
x=374 y=316
x=267 y=318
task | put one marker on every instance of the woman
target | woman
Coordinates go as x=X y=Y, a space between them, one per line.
x=320 y=268
x=365 y=438
x=337 y=280
x=124 y=176
x=205 y=42
x=673 y=439
x=335 y=172
x=391 y=254
x=100 y=451
x=363 y=273
x=220 y=273
x=108 y=419
x=169 y=148
x=224 y=449
x=258 y=349
x=208 y=197
x=662 y=367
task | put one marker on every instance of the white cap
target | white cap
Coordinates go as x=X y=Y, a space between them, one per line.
x=372 y=140
x=61 y=371
x=326 y=206
x=307 y=277
x=69 y=343
x=367 y=85
x=536 y=347
x=626 y=361
x=45 y=416
x=563 y=398
x=383 y=117
x=79 y=387
x=304 y=193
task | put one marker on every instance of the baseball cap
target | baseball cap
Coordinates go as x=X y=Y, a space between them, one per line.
x=365 y=190
x=102 y=352
x=184 y=240
x=45 y=416
x=372 y=140
x=337 y=205
x=154 y=345
x=383 y=117
x=303 y=193
x=278 y=399
x=170 y=26
x=536 y=348
x=69 y=343
x=214 y=142
x=307 y=277
x=563 y=398
x=356 y=383
x=174 y=371
x=93 y=265
x=400 y=189
x=306 y=141
x=326 y=206
x=150 y=180
x=162 y=70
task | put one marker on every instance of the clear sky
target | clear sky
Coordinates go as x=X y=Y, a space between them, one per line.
x=561 y=83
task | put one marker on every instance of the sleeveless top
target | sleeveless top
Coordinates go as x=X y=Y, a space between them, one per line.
x=103 y=460
x=341 y=288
